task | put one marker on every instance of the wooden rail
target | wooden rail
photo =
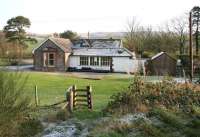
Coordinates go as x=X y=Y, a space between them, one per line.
x=79 y=97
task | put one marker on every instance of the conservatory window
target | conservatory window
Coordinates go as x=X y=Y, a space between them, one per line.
x=105 y=61
x=84 y=60
x=94 y=61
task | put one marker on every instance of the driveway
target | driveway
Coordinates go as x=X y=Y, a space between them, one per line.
x=20 y=68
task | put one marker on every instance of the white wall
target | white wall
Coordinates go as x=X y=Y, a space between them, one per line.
x=75 y=62
x=125 y=64
x=120 y=64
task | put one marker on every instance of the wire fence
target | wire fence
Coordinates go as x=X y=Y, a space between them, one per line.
x=46 y=95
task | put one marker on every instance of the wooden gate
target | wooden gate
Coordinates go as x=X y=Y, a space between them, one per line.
x=79 y=97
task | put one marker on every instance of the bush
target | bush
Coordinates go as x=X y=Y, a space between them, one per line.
x=14 y=105
x=62 y=115
x=150 y=130
x=30 y=128
x=169 y=118
x=166 y=94
x=111 y=128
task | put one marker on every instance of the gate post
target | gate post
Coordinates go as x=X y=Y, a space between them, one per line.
x=74 y=95
x=36 y=96
x=69 y=97
x=89 y=97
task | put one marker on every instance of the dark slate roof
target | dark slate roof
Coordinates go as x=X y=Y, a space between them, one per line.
x=100 y=47
x=161 y=53
x=114 y=52
x=98 y=43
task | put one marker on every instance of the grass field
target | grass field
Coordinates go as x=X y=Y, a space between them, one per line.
x=52 y=88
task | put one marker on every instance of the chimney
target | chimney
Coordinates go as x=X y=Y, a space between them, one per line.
x=88 y=35
x=55 y=35
x=89 y=40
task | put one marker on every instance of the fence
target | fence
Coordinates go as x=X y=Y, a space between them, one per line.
x=79 y=97
x=74 y=98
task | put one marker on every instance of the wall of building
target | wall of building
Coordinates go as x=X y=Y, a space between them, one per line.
x=163 y=65
x=60 y=58
x=125 y=64
x=67 y=58
x=120 y=64
x=75 y=63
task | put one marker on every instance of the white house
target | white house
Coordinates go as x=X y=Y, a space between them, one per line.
x=98 y=55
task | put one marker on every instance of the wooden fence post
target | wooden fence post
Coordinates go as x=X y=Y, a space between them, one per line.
x=89 y=97
x=36 y=96
x=69 y=96
x=68 y=99
x=74 y=95
x=71 y=101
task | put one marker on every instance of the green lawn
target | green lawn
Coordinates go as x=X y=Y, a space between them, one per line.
x=52 y=88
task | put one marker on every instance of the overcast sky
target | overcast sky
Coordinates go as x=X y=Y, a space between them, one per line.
x=48 y=16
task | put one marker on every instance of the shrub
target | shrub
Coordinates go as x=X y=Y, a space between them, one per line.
x=150 y=130
x=111 y=128
x=56 y=115
x=192 y=128
x=14 y=105
x=62 y=115
x=30 y=128
x=166 y=94
x=169 y=118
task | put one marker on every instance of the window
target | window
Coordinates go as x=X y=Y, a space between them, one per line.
x=49 y=59
x=84 y=60
x=105 y=61
x=94 y=61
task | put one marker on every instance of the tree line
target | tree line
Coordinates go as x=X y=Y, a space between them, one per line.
x=145 y=41
x=172 y=37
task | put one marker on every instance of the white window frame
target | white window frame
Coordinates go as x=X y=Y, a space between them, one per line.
x=95 y=61
x=84 y=62
x=105 y=61
x=46 y=57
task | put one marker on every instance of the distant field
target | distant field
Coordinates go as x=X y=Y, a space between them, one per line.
x=52 y=88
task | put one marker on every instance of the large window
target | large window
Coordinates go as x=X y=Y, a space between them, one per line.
x=49 y=59
x=105 y=61
x=84 y=61
x=94 y=61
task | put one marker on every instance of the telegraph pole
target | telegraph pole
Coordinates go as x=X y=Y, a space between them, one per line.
x=190 y=44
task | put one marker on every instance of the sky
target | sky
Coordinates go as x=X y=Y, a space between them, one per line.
x=49 y=16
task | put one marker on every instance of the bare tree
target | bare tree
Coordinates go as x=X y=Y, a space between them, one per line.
x=179 y=28
x=130 y=38
x=145 y=41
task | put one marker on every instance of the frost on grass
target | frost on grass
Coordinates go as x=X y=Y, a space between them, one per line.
x=76 y=128
x=70 y=128
x=130 y=118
